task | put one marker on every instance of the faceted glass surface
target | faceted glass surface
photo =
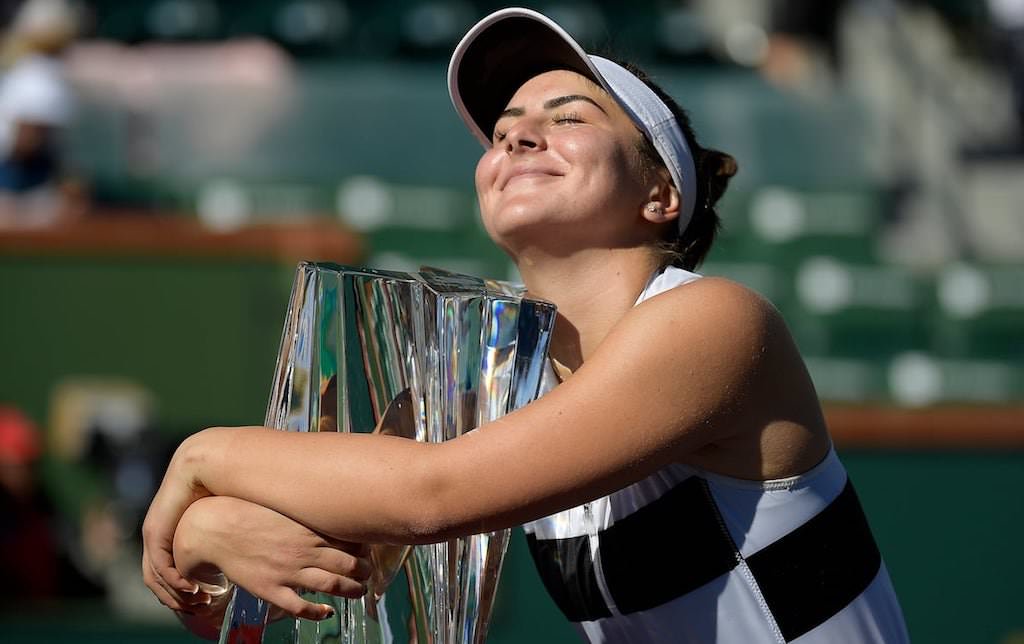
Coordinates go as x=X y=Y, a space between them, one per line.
x=427 y=356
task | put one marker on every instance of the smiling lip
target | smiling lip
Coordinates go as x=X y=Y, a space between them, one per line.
x=527 y=172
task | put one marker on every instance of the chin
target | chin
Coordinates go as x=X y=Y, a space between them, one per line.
x=516 y=219
x=526 y=238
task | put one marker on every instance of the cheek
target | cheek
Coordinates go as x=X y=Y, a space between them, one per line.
x=487 y=170
x=623 y=160
x=606 y=164
x=600 y=153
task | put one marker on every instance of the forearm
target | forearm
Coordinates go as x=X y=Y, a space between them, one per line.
x=357 y=487
x=196 y=540
x=196 y=564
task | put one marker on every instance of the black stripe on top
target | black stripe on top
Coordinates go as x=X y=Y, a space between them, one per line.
x=816 y=570
x=566 y=567
x=678 y=543
x=667 y=548
x=663 y=550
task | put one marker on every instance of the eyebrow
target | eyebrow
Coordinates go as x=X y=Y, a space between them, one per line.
x=562 y=100
x=553 y=103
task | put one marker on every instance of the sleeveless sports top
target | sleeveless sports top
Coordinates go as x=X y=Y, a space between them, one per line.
x=686 y=555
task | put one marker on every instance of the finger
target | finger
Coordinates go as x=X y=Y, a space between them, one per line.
x=174 y=579
x=289 y=601
x=161 y=593
x=162 y=562
x=198 y=600
x=182 y=601
x=202 y=610
x=152 y=580
x=342 y=563
x=167 y=600
x=362 y=570
x=351 y=547
x=167 y=596
x=182 y=596
x=330 y=583
x=165 y=569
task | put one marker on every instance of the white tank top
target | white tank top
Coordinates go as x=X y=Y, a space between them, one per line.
x=686 y=555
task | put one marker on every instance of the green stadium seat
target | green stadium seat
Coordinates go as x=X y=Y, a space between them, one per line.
x=847 y=380
x=304 y=27
x=183 y=20
x=369 y=203
x=786 y=225
x=134 y=22
x=919 y=379
x=856 y=310
x=407 y=226
x=431 y=29
x=978 y=312
x=116 y=20
x=765 y=278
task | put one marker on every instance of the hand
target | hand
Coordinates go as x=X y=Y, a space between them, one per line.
x=176 y=493
x=268 y=554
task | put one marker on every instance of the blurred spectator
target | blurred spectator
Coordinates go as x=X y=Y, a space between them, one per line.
x=27 y=550
x=813 y=22
x=183 y=112
x=33 y=561
x=111 y=457
x=803 y=47
x=36 y=104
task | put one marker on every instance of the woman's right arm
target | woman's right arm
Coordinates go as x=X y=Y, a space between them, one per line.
x=679 y=372
x=267 y=553
x=698 y=365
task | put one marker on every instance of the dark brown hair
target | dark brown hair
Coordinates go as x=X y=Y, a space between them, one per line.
x=714 y=169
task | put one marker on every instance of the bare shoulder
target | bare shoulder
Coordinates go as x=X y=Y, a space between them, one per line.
x=717 y=294
x=732 y=355
x=712 y=311
x=704 y=341
x=702 y=374
x=718 y=353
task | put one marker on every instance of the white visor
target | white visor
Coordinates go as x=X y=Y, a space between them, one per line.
x=510 y=46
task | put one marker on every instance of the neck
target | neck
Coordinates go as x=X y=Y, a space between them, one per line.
x=592 y=289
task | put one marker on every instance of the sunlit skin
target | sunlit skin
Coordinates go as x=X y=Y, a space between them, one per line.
x=564 y=159
x=563 y=190
x=704 y=374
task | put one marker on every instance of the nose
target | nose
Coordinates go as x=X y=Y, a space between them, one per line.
x=523 y=136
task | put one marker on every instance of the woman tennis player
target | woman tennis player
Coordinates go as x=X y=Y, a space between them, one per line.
x=676 y=481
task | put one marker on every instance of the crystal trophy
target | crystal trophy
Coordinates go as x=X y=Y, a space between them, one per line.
x=428 y=356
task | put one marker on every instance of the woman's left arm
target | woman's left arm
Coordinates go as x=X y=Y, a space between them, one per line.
x=678 y=372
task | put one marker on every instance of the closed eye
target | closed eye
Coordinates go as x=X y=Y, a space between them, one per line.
x=571 y=117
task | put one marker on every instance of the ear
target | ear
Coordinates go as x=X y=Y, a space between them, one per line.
x=664 y=194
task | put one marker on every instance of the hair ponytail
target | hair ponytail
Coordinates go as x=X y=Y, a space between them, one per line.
x=714 y=169
x=688 y=250
x=718 y=167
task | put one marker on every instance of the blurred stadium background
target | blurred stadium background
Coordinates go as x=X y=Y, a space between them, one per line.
x=213 y=144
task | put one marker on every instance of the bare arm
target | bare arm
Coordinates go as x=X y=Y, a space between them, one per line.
x=222 y=538
x=679 y=372
x=266 y=553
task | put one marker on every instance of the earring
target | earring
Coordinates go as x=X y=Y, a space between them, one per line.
x=654 y=207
